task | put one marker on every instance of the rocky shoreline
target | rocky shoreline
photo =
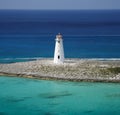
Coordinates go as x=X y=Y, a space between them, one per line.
x=72 y=70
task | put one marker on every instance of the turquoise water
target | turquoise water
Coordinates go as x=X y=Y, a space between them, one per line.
x=21 y=96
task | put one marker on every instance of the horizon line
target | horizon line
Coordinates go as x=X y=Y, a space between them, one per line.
x=58 y=9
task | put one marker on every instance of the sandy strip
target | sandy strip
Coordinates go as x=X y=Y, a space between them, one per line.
x=72 y=70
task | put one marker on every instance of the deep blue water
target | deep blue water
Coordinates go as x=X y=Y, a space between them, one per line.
x=27 y=35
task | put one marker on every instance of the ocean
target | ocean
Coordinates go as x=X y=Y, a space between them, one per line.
x=21 y=96
x=30 y=35
x=27 y=35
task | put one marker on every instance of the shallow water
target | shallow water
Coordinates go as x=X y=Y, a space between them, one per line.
x=23 y=96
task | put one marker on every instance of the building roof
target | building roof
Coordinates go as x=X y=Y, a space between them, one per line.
x=59 y=36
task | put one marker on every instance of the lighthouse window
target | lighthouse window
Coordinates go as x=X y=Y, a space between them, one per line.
x=58 y=57
x=58 y=41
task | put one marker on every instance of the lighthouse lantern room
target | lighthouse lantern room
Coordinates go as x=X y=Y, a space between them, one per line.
x=59 y=50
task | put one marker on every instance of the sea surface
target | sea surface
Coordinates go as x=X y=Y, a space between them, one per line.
x=30 y=35
x=21 y=96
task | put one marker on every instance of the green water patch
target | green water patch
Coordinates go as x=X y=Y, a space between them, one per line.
x=53 y=95
x=117 y=95
x=88 y=111
x=48 y=113
x=13 y=99
x=2 y=113
x=44 y=112
x=53 y=104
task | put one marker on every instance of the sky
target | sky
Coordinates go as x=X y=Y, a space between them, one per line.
x=59 y=4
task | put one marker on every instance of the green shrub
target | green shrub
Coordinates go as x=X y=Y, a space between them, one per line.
x=114 y=70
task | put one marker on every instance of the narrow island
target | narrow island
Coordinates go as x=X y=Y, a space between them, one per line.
x=72 y=69
x=60 y=68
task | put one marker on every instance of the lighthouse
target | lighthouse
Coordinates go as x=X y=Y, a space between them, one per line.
x=59 y=50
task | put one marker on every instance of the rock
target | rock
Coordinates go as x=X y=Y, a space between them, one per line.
x=72 y=69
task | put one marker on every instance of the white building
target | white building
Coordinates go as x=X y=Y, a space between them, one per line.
x=59 y=50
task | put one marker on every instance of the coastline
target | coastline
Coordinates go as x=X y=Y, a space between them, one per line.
x=91 y=70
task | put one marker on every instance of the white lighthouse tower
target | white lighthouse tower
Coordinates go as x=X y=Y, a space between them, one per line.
x=59 y=50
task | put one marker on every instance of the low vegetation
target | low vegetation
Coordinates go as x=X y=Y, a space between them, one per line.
x=115 y=70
